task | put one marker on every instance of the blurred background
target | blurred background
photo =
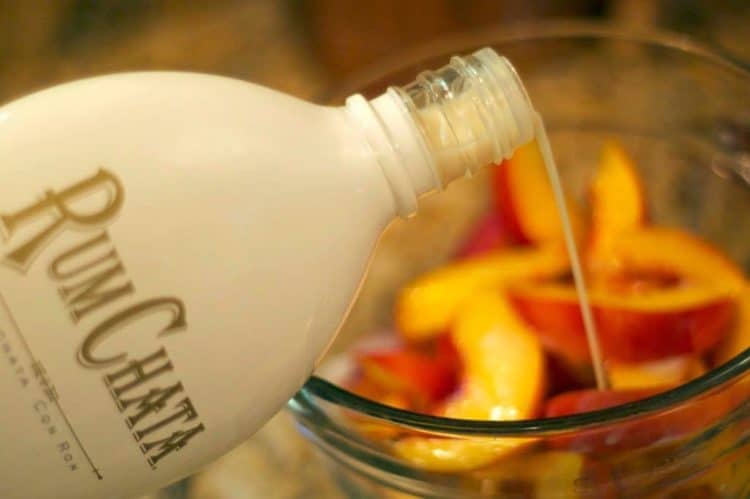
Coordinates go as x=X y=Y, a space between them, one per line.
x=297 y=46
x=305 y=48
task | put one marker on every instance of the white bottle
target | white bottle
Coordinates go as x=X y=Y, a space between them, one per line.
x=178 y=250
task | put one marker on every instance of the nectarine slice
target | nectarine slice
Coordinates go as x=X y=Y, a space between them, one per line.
x=618 y=436
x=428 y=306
x=454 y=455
x=618 y=202
x=736 y=342
x=738 y=337
x=699 y=415
x=503 y=380
x=675 y=252
x=368 y=388
x=503 y=362
x=369 y=427
x=525 y=200
x=671 y=371
x=632 y=328
x=589 y=400
x=420 y=377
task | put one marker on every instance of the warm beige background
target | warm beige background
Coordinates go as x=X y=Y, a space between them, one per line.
x=300 y=47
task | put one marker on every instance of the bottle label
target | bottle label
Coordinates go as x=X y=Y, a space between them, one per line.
x=98 y=302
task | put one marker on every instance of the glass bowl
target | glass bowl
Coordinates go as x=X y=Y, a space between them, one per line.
x=683 y=113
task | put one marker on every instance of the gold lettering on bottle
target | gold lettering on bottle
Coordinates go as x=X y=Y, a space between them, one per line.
x=149 y=403
x=57 y=270
x=166 y=446
x=58 y=205
x=88 y=295
x=185 y=410
x=177 y=322
x=91 y=279
x=137 y=373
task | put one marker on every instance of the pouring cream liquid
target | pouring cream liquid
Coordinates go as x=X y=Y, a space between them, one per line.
x=455 y=128
x=575 y=261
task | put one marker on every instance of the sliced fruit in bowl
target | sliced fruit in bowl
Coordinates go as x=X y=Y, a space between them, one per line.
x=618 y=203
x=419 y=377
x=672 y=371
x=525 y=201
x=639 y=431
x=488 y=235
x=631 y=327
x=503 y=379
x=428 y=306
x=663 y=251
x=497 y=333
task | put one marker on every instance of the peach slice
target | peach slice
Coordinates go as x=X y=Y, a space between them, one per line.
x=503 y=362
x=737 y=341
x=618 y=202
x=698 y=415
x=371 y=428
x=454 y=455
x=614 y=438
x=428 y=305
x=525 y=200
x=667 y=251
x=632 y=328
x=413 y=377
x=366 y=387
x=420 y=377
x=684 y=309
x=503 y=380
x=580 y=401
x=422 y=373
x=671 y=371
x=738 y=338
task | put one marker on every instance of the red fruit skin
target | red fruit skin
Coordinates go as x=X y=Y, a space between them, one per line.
x=562 y=376
x=619 y=437
x=558 y=324
x=626 y=334
x=425 y=376
x=632 y=434
x=446 y=353
x=487 y=235
x=588 y=400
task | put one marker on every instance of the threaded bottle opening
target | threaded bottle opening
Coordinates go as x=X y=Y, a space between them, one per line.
x=470 y=113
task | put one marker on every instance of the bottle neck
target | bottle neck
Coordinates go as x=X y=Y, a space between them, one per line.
x=398 y=147
x=445 y=125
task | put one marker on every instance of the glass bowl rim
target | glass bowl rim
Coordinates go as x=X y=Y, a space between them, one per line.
x=319 y=388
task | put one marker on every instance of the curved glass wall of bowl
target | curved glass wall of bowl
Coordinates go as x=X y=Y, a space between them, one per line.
x=677 y=107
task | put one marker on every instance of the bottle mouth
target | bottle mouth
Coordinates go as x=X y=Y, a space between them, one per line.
x=508 y=91
x=471 y=113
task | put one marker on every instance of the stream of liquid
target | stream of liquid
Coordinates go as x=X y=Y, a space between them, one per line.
x=592 y=337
